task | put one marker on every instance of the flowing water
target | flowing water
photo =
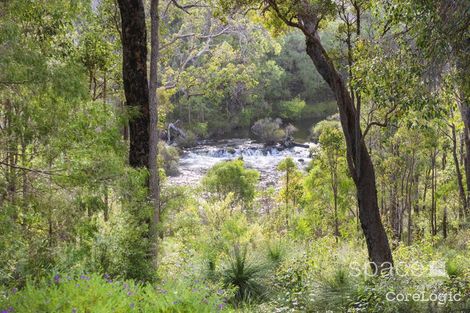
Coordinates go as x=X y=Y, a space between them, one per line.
x=195 y=162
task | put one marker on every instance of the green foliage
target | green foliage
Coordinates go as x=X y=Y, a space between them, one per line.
x=291 y=109
x=93 y=293
x=245 y=275
x=329 y=136
x=292 y=186
x=234 y=83
x=276 y=251
x=232 y=177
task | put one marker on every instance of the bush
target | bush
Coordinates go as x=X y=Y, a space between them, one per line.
x=276 y=251
x=98 y=294
x=232 y=177
x=169 y=157
x=247 y=276
x=268 y=131
x=291 y=109
x=200 y=129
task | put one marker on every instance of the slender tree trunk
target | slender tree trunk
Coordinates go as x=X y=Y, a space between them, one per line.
x=463 y=198
x=402 y=205
x=154 y=183
x=11 y=155
x=106 y=204
x=24 y=174
x=426 y=184
x=134 y=70
x=444 y=223
x=104 y=89
x=433 y=193
x=335 y=196
x=359 y=161
x=410 y=181
x=287 y=198
x=463 y=66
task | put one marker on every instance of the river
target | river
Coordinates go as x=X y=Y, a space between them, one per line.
x=195 y=162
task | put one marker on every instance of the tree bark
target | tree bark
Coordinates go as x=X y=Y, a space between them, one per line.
x=463 y=198
x=465 y=113
x=444 y=223
x=134 y=70
x=154 y=181
x=433 y=193
x=359 y=161
x=461 y=52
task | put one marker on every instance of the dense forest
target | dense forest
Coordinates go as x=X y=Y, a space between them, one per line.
x=234 y=156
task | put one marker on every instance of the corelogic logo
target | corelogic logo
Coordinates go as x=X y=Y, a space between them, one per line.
x=440 y=298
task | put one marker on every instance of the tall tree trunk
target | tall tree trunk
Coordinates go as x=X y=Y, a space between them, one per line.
x=444 y=223
x=287 y=198
x=359 y=161
x=433 y=193
x=465 y=112
x=462 y=51
x=409 y=190
x=463 y=198
x=154 y=183
x=134 y=70
x=12 y=153
x=106 y=203
x=335 y=196
x=426 y=187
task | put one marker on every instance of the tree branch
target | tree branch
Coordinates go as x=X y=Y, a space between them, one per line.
x=29 y=169
x=380 y=124
x=186 y=7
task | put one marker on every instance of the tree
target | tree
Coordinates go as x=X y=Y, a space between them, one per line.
x=232 y=177
x=442 y=34
x=292 y=185
x=134 y=72
x=331 y=139
x=308 y=16
x=154 y=175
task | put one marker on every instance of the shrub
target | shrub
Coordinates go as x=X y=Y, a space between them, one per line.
x=268 y=131
x=276 y=251
x=245 y=275
x=232 y=177
x=291 y=109
x=98 y=294
x=169 y=157
x=200 y=129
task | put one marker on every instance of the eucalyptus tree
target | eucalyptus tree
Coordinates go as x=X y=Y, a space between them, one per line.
x=309 y=16
x=440 y=29
x=59 y=148
x=291 y=185
x=331 y=140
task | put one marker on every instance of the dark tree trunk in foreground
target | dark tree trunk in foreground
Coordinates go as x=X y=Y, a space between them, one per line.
x=359 y=160
x=362 y=169
x=134 y=71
